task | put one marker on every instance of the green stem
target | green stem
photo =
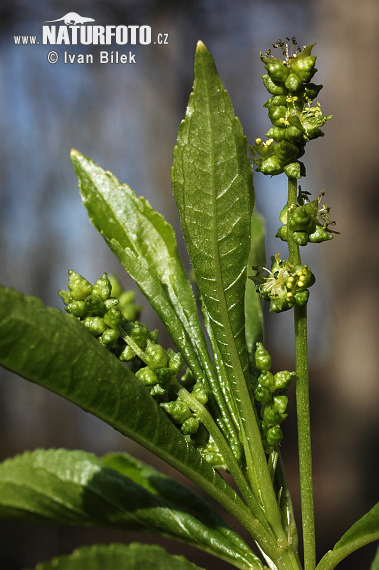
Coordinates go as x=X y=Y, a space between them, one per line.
x=304 y=437
x=302 y=401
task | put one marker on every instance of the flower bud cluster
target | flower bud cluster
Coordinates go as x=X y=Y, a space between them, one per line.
x=100 y=307
x=285 y=285
x=109 y=313
x=294 y=120
x=271 y=393
x=307 y=222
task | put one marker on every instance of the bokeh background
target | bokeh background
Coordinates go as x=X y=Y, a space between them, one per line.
x=126 y=117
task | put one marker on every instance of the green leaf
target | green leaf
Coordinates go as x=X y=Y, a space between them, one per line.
x=146 y=246
x=109 y=557
x=75 y=487
x=213 y=187
x=212 y=182
x=174 y=492
x=53 y=349
x=364 y=531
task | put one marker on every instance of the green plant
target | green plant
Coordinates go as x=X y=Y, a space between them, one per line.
x=202 y=411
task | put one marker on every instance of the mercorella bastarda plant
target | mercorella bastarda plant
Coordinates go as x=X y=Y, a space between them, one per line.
x=213 y=402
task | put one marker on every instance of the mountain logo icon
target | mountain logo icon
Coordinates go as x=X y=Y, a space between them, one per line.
x=71 y=19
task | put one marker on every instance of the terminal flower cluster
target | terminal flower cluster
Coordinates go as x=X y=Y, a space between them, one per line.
x=294 y=120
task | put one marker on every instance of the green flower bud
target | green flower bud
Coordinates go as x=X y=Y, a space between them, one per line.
x=109 y=337
x=320 y=234
x=299 y=220
x=102 y=287
x=283 y=379
x=304 y=67
x=175 y=361
x=274 y=87
x=147 y=376
x=139 y=333
x=270 y=166
x=272 y=416
x=301 y=297
x=76 y=308
x=200 y=393
x=277 y=70
x=157 y=390
x=262 y=394
x=262 y=358
x=295 y=170
x=95 y=325
x=282 y=233
x=164 y=376
x=178 y=410
x=111 y=302
x=280 y=403
x=190 y=426
x=266 y=378
x=156 y=356
x=293 y=82
x=113 y=318
x=293 y=133
x=79 y=287
x=276 y=133
x=301 y=238
x=94 y=306
x=274 y=435
x=215 y=459
x=127 y=354
x=285 y=151
x=277 y=115
x=275 y=101
x=64 y=295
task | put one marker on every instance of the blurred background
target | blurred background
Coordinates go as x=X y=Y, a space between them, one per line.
x=126 y=117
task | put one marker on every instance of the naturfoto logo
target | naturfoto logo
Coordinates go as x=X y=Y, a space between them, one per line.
x=74 y=32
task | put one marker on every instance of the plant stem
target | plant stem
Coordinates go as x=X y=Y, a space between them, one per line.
x=304 y=437
x=302 y=404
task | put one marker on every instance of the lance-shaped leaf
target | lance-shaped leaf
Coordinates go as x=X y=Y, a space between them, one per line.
x=53 y=349
x=364 y=531
x=75 y=487
x=213 y=187
x=135 y=556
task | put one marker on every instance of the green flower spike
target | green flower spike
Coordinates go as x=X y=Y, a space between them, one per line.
x=295 y=121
